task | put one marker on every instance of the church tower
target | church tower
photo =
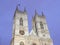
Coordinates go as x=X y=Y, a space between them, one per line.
x=20 y=27
x=39 y=25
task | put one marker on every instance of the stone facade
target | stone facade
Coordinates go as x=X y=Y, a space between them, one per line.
x=39 y=34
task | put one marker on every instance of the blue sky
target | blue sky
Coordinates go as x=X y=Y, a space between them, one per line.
x=51 y=9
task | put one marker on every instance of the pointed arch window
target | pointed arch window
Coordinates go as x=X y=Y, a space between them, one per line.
x=34 y=44
x=21 y=43
x=21 y=21
x=41 y=25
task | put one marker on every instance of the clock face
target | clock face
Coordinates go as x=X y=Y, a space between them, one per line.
x=21 y=32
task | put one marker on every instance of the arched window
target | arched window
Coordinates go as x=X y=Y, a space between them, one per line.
x=34 y=44
x=41 y=24
x=21 y=21
x=21 y=43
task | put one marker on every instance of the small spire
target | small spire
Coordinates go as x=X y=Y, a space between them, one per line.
x=24 y=9
x=42 y=14
x=17 y=6
x=16 y=9
x=35 y=12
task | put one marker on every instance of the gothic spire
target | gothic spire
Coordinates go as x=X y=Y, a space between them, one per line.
x=17 y=6
x=24 y=9
x=42 y=14
x=36 y=12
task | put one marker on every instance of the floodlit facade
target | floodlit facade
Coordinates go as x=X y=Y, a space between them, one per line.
x=39 y=34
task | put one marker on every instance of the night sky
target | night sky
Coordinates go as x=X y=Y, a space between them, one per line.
x=50 y=8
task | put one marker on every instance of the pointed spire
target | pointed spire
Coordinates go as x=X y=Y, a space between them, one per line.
x=42 y=14
x=16 y=9
x=24 y=9
x=35 y=12
x=17 y=6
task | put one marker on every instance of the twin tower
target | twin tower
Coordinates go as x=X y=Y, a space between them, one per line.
x=39 y=34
